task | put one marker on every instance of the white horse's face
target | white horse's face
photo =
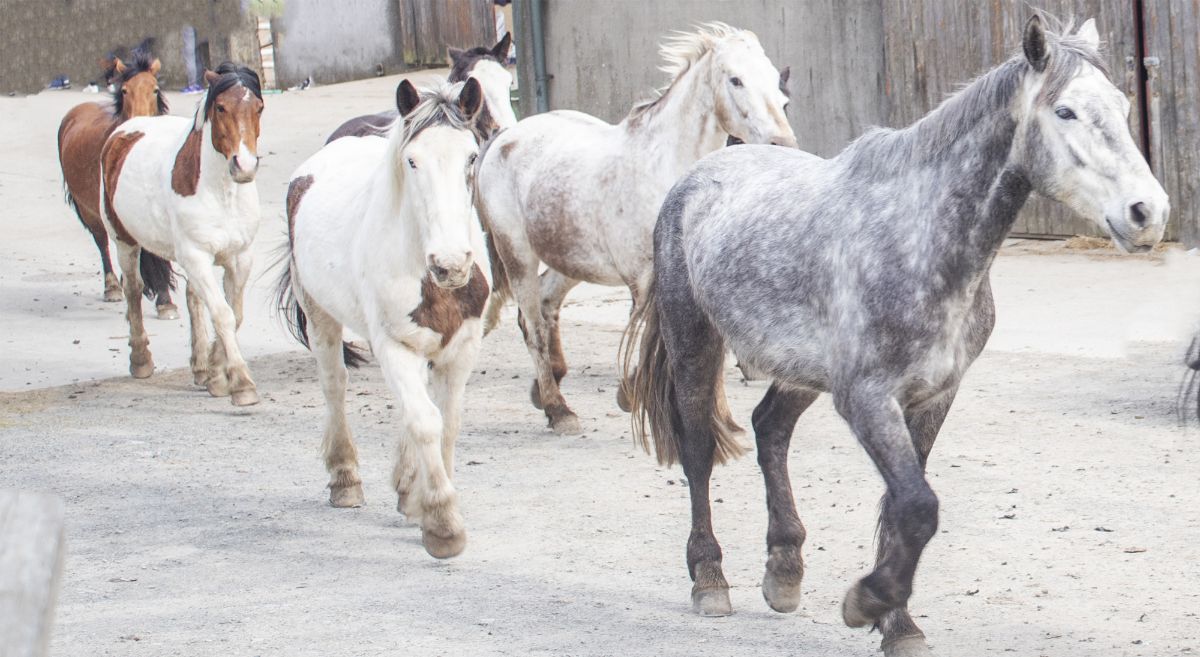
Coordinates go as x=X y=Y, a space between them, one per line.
x=749 y=100
x=497 y=83
x=1080 y=153
x=438 y=167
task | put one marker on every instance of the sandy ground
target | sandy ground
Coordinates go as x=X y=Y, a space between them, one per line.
x=1069 y=502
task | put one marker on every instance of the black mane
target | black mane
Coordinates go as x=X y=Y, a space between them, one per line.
x=139 y=61
x=231 y=75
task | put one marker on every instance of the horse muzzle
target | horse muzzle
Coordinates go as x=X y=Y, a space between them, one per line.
x=1140 y=225
x=243 y=168
x=451 y=273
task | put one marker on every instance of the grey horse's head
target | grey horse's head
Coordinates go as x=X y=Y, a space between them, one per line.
x=1073 y=138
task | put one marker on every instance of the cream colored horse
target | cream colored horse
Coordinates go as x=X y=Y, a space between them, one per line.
x=581 y=195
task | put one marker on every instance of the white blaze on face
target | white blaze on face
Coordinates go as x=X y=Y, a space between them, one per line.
x=496 y=82
x=437 y=167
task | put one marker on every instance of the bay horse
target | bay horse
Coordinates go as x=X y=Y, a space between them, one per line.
x=482 y=63
x=383 y=239
x=82 y=134
x=581 y=195
x=183 y=189
x=867 y=276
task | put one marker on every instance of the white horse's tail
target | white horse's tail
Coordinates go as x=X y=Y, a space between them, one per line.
x=288 y=309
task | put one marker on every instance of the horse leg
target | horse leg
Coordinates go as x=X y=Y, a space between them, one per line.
x=910 y=509
x=141 y=363
x=448 y=382
x=199 y=268
x=431 y=500
x=112 y=285
x=901 y=636
x=337 y=445
x=555 y=287
x=165 y=306
x=198 y=319
x=774 y=419
x=528 y=290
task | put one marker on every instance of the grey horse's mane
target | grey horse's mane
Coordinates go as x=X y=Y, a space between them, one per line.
x=681 y=50
x=438 y=107
x=956 y=116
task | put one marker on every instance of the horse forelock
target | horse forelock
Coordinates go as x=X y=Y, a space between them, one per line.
x=995 y=90
x=438 y=107
x=682 y=50
x=140 y=61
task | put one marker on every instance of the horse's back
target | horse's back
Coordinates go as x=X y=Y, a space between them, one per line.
x=81 y=136
x=367 y=125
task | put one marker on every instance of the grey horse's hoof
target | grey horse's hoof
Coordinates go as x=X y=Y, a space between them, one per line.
x=346 y=497
x=781 y=594
x=861 y=608
x=711 y=602
x=247 y=397
x=444 y=547
x=168 y=311
x=908 y=646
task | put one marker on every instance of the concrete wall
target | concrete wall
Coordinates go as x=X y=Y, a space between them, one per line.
x=336 y=41
x=836 y=85
x=46 y=38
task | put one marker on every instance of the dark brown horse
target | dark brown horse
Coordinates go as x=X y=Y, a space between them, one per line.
x=80 y=138
x=482 y=63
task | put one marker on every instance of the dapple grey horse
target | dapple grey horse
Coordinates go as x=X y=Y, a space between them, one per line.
x=866 y=276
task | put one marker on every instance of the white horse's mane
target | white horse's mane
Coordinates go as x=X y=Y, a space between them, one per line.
x=680 y=50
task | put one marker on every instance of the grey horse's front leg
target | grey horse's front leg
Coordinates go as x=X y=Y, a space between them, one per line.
x=910 y=508
x=901 y=636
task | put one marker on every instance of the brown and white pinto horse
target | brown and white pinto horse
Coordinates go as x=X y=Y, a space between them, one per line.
x=480 y=63
x=184 y=190
x=81 y=135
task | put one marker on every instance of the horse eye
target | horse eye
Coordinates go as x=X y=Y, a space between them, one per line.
x=471 y=160
x=412 y=164
x=1065 y=113
x=220 y=109
x=737 y=82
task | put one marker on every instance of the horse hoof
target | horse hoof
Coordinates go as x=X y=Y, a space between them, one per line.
x=113 y=294
x=200 y=377
x=566 y=424
x=443 y=547
x=861 y=607
x=142 y=371
x=781 y=595
x=247 y=397
x=168 y=311
x=346 y=497
x=909 y=646
x=217 y=387
x=711 y=602
x=535 y=395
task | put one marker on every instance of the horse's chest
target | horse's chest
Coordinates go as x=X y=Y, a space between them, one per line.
x=442 y=312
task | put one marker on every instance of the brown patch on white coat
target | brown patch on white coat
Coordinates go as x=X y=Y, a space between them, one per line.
x=112 y=158
x=444 y=310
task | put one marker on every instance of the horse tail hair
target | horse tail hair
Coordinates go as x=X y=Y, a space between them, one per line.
x=287 y=308
x=157 y=274
x=649 y=391
x=501 y=288
x=1188 y=404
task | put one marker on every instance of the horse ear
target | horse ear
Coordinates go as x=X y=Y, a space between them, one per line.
x=155 y=66
x=1089 y=33
x=784 y=76
x=500 y=50
x=454 y=54
x=118 y=66
x=471 y=99
x=407 y=97
x=211 y=77
x=1037 y=53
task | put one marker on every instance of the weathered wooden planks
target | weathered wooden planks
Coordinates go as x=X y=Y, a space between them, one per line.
x=31 y=552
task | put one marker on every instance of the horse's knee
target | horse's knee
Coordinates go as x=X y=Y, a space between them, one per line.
x=915 y=515
x=424 y=428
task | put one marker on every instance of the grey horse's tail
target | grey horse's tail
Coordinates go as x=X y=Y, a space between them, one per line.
x=296 y=321
x=648 y=391
x=1188 y=404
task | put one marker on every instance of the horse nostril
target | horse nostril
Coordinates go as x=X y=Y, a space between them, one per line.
x=439 y=272
x=1139 y=213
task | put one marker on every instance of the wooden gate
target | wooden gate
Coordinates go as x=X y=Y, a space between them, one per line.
x=428 y=26
x=932 y=47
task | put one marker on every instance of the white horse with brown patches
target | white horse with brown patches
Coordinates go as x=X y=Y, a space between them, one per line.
x=581 y=195
x=184 y=190
x=383 y=240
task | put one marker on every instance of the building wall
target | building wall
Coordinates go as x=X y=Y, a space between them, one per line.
x=336 y=41
x=836 y=85
x=46 y=38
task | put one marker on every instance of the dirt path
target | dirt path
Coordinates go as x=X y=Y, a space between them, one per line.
x=1069 y=498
